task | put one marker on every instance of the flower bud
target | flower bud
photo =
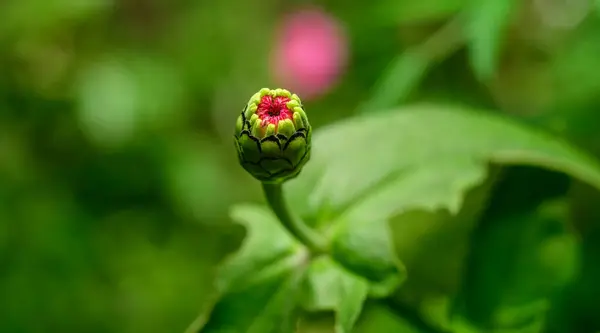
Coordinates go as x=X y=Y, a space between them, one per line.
x=272 y=136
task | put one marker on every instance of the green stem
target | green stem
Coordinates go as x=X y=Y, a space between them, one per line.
x=274 y=194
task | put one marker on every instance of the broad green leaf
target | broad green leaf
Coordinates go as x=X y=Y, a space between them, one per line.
x=374 y=167
x=365 y=247
x=258 y=283
x=329 y=286
x=487 y=21
x=367 y=170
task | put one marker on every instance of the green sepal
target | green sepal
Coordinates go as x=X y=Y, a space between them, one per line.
x=287 y=128
x=257 y=129
x=296 y=149
x=239 y=124
x=298 y=120
x=249 y=148
x=271 y=148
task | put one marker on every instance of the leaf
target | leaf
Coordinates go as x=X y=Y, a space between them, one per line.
x=328 y=286
x=264 y=308
x=399 y=80
x=267 y=246
x=409 y=11
x=486 y=24
x=433 y=246
x=365 y=247
x=516 y=265
x=573 y=81
x=407 y=71
x=366 y=170
x=374 y=167
x=259 y=282
x=381 y=319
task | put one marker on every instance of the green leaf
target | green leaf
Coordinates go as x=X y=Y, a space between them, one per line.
x=486 y=24
x=424 y=156
x=398 y=82
x=409 y=11
x=265 y=308
x=433 y=246
x=381 y=319
x=267 y=248
x=516 y=265
x=258 y=283
x=372 y=168
x=574 y=82
x=365 y=247
x=407 y=71
x=329 y=286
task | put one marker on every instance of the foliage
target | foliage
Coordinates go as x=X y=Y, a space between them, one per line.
x=454 y=169
x=429 y=174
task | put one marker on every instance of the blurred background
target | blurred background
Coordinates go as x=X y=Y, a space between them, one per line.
x=117 y=167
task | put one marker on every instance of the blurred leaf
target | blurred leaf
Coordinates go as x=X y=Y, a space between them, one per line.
x=409 y=11
x=516 y=265
x=407 y=71
x=373 y=167
x=381 y=319
x=258 y=283
x=462 y=326
x=365 y=247
x=399 y=80
x=433 y=246
x=573 y=68
x=331 y=287
x=486 y=24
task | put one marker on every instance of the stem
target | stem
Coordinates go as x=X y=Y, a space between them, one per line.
x=274 y=194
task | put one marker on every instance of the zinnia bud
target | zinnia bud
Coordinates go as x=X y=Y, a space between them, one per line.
x=272 y=136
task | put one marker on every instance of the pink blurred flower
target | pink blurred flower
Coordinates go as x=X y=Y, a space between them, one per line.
x=310 y=52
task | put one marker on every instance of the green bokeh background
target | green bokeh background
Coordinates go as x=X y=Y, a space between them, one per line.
x=117 y=167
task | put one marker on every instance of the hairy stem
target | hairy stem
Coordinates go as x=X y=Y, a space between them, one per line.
x=274 y=194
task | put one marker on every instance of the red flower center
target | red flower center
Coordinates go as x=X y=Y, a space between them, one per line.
x=272 y=110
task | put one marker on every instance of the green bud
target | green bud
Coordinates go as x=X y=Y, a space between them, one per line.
x=272 y=136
